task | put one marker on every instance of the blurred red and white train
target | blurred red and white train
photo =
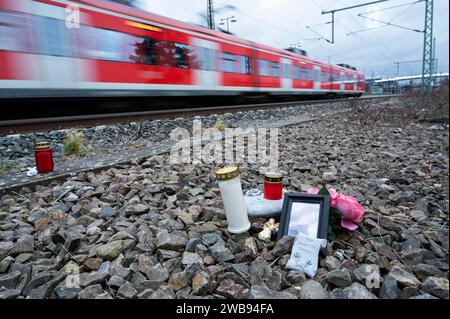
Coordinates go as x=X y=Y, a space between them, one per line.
x=122 y=51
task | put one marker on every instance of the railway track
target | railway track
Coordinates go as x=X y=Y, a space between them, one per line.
x=27 y=125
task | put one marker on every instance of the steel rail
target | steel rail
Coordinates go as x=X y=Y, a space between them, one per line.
x=39 y=124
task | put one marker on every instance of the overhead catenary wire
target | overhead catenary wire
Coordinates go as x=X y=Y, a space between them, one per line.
x=379 y=42
x=410 y=5
x=394 y=7
x=297 y=36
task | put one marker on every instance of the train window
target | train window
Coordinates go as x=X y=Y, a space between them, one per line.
x=54 y=40
x=275 y=69
x=263 y=67
x=243 y=64
x=193 y=57
x=228 y=63
x=304 y=74
x=128 y=47
x=144 y=51
x=12 y=32
x=165 y=52
x=297 y=73
x=110 y=45
x=207 y=59
x=180 y=56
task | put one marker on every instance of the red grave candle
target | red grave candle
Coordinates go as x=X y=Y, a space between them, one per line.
x=273 y=186
x=44 y=157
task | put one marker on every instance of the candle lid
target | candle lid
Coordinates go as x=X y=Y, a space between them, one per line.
x=273 y=177
x=42 y=144
x=227 y=173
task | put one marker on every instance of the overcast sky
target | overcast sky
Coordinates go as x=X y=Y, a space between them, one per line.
x=280 y=23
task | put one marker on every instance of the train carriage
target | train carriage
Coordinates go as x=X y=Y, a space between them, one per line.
x=122 y=51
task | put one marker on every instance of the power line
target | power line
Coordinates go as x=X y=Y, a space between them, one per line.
x=394 y=7
x=363 y=40
x=291 y=33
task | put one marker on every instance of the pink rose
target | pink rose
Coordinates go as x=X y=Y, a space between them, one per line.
x=333 y=197
x=352 y=212
x=313 y=191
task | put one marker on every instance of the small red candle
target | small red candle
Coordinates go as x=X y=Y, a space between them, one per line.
x=273 y=186
x=44 y=157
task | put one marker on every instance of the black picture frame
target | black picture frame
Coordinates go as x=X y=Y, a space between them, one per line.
x=324 y=213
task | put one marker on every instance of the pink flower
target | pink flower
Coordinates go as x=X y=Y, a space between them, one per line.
x=352 y=212
x=333 y=196
x=313 y=191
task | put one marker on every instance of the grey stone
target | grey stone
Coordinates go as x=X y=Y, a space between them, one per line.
x=408 y=292
x=201 y=283
x=163 y=293
x=295 y=277
x=105 y=267
x=91 y=292
x=403 y=196
x=261 y=292
x=209 y=213
x=171 y=241
x=358 y=291
x=329 y=177
x=23 y=245
x=72 y=241
x=10 y=280
x=88 y=279
x=39 y=280
x=106 y=212
x=115 y=282
x=436 y=286
x=104 y=295
x=436 y=249
x=337 y=293
x=367 y=273
x=93 y=230
x=9 y=293
x=244 y=256
x=45 y=290
x=388 y=289
x=145 y=294
x=210 y=238
x=411 y=244
x=168 y=254
x=312 y=290
x=64 y=292
x=220 y=253
x=110 y=251
x=127 y=291
x=332 y=263
x=191 y=258
x=192 y=243
x=424 y=270
x=417 y=215
x=5 y=248
x=283 y=246
x=425 y=296
x=137 y=209
x=5 y=263
x=403 y=277
x=339 y=278
x=158 y=275
x=180 y=279
x=229 y=289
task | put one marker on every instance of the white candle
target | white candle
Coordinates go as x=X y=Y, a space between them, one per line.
x=233 y=199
